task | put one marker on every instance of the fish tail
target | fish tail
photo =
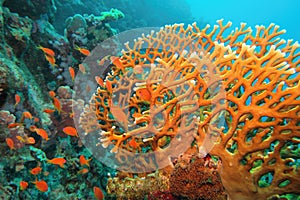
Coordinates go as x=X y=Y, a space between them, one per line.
x=34 y=182
x=76 y=47
x=54 y=65
x=39 y=47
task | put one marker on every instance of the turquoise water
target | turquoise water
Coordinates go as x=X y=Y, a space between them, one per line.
x=256 y=12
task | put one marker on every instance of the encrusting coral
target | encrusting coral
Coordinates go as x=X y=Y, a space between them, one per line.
x=199 y=179
x=235 y=95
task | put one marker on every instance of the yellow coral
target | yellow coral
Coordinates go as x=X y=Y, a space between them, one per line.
x=236 y=93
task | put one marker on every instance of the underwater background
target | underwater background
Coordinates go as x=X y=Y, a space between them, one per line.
x=184 y=110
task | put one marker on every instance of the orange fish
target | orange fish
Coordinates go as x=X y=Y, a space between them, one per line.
x=58 y=161
x=20 y=138
x=51 y=60
x=41 y=185
x=144 y=94
x=84 y=161
x=82 y=50
x=71 y=115
x=98 y=193
x=46 y=173
x=133 y=143
x=23 y=185
x=69 y=130
x=30 y=140
x=17 y=99
x=99 y=80
x=117 y=62
x=47 y=51
x=10 y=143
x=35 y=171
x=88 y=88
x=82 y=68
x=27 y=114
x=27 y=140
x=35 y=119
x=49 y=111
x=41 y=132
x=52 y=94
x=57 y=104
x=83 y=171
x=118 y=113
x=102 y=61
x=13 y=125
x=72 y=73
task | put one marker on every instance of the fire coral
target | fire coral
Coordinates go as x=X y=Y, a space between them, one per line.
x=234 y=95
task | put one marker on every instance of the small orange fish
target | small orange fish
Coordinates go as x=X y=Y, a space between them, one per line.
x=118 y=113
x=52 y=94
x=27 y=140
x=46 y=173
x=117 y=62
x=47 y=51
x=13 y=125
x=82 y=68
x=88 y=88
x=84 y=161
x=82 y=50
x=71 y=115
x=58 y=161
x=17 y=99
x=69 y=130
x=41 y=185
x=57 y=104
x=133 y=143
x=102 y=61
x=20 y=138
x=72 y=73
x=51 y=60
x=35 y=171
x=144 y=94
x=83 y=171
x=30 y=140
x=41 y=132
x=49 y=111
x=27 y=114
x=35 y=119
x=98 y=193
x=10 y=143
x=99 y=80
x=23 y=185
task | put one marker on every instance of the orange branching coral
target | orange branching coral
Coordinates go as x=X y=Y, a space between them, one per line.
x=233 y=94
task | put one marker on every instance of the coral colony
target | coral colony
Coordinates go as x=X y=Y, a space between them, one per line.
x=174 y=90
x=180 y=113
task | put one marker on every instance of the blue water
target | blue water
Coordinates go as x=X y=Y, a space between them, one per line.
x=285 y=13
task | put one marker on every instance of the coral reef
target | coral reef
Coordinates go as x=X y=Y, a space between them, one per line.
x=162 y=107
x=34 y=60
x=240 y=92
